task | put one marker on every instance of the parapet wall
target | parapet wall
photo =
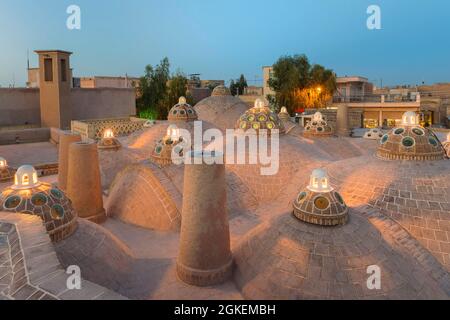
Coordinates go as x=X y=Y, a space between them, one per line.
x=20 y=106
x=24 y=136
x=102 y=103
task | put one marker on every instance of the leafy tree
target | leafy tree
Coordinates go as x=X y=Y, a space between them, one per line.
x=242 y=84
x=238 y=86
x=298 y=84
x=233 y=88
x=176 y=88
x=152 y=89
x=158 y=91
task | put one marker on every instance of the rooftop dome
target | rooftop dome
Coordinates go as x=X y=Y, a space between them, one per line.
x=410 y=141
x=25 y=178
x=373 y=134
x=260 y=117
x=182 y=111
x=140 y=197
x=446 y=145
x=6 y=173
x=287 y=259
x=221 y=109
x=108 y=141
x=318 y=126
x=168 y=147
x=221 y=91
x=413 y=193
x=30 y=196
x=319 y=203
x=284 y=114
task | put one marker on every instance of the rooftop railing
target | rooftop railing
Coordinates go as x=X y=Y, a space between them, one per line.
x=377 y=98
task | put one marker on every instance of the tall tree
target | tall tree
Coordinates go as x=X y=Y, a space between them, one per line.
x=176 y=88
x=298 y=84
x=242 y=84
x=152 y=89
x=233 y=88
x=238 y=86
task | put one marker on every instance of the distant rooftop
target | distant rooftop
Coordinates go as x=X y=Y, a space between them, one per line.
x=47 y=51
x=351 y=79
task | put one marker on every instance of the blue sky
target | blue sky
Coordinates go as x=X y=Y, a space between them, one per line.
x=222 y=39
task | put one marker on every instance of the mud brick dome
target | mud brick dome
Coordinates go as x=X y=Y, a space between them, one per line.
x=30 y=196
x=319 y=203
x=221 y=91
x=446 y=145
x=260 y=117
x=221 y=109
x=284 y=115
x=6 y=173
x=182 y=111
x=410 y=141
x=318 y=126
x=168 y=146
x=373 y=134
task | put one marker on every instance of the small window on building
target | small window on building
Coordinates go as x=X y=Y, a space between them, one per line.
x=48 y=69
x=63 y=70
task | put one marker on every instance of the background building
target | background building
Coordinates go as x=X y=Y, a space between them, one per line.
x=267 y=74
x=52 y=101
x=352 y=89
x=106 y=82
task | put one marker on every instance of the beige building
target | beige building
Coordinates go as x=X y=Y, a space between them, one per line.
x=434 y=100
x=106 y=82
x=253 y=91
x=86 y=82
x=267 y=74
x=51 y=100
x=351 y=89
x=34 y=78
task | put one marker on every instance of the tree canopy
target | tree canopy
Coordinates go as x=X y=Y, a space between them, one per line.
x=298 y=84
x=158 y=91
x=238 y=86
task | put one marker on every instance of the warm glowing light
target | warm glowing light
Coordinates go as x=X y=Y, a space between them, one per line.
x=108 y=133
x=3 y=163
x=319 y=181
x=410 y=118
x=319 y=89
x=25 y=178
x=182 y=100
x=173 y=132
x=317 y=116
x=259 y=103
x=448 y=136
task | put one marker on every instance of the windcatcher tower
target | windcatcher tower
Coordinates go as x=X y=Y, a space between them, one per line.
x=54 y=75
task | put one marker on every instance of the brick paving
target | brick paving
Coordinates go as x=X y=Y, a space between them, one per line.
x=29 y=268
x=288 y=259
x=415 y=194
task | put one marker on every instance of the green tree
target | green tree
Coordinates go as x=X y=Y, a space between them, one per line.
x=298 y=84
x=233 y=88
x=153 y=89
x=241 y=84
x=238 y=86
x=177 y=87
